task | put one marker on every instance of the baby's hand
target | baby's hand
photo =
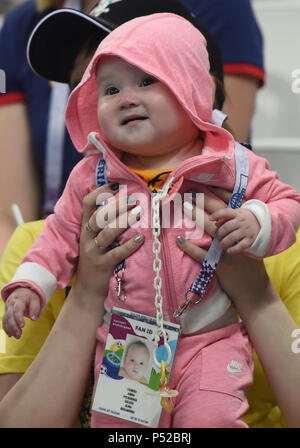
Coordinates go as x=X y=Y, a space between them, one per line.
x=22 y=302
x=238 y=229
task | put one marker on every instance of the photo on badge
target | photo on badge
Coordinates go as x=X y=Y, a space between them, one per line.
x=136 y=361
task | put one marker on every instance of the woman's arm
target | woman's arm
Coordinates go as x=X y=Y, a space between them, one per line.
x=18 y=179
x=270 y=327
x=239 y=103
x=50 y=392
x=266 y=319
x=7 y=381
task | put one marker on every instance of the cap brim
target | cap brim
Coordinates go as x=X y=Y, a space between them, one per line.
x=56 y=40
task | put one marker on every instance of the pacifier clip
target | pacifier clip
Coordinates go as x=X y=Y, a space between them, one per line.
x=165 y=393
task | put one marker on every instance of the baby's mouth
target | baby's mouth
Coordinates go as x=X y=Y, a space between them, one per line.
x=132 y=118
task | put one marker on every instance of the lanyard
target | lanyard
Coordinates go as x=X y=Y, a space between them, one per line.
x=101 y=179
x=55 y=137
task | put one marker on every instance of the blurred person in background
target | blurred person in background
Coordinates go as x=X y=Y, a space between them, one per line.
x=233 y=24
x=33 y=135
x=7 y=5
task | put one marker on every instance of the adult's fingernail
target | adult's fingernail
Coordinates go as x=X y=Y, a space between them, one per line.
x=136 y=210
x=131 y=199
x=115 y=186
x=102 y=198
x=138 y=238
x=180 y=239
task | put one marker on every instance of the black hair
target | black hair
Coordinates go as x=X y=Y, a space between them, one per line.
x=219 y=94
x=87 y=47
x=90 y=45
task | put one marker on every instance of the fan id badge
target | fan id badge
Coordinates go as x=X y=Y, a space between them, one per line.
x=129 y=380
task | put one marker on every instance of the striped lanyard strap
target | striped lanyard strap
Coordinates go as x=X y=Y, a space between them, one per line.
x=208 y=268
x=101 y=179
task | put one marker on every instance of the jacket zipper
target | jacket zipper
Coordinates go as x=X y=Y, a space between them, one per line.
x=168 y=276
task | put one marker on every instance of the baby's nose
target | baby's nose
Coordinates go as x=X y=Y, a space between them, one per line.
x=128 y=99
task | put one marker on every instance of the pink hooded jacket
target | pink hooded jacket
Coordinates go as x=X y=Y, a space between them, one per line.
x=171 y=49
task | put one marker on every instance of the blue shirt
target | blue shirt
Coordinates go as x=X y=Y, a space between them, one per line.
x=232 y=23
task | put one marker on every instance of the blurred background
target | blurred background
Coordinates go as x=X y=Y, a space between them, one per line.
x=276 y=123
x=275 y=128
x=6 y=5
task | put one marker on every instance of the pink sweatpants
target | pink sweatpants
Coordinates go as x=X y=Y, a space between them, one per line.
x=212 y=372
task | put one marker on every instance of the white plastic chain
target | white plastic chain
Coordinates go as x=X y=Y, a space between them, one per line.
x=156 y=247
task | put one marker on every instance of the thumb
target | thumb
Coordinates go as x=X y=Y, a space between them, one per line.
x=34 y=307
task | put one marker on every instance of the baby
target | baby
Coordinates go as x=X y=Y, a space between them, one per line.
x=145 y=103
x=136 y=362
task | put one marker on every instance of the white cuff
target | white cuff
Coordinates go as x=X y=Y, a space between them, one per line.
x=38 y=274
x=218 y=117
x=261 y=212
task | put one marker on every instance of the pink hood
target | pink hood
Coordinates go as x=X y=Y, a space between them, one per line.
x=167 y=47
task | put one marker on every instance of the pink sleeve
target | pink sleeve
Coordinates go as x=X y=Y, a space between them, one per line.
x=283 y=203
x=52 y=259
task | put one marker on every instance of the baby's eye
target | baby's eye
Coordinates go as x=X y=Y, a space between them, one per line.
x=147 y=81
x=111 y=90
x=141 y=363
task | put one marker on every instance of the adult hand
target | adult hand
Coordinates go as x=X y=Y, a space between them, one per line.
x=241 y=277
x=97 y=260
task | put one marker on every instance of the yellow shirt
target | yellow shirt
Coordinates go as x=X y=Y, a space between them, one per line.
x=153 y=178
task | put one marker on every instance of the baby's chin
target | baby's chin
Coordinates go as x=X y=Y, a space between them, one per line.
x=139 y=151
x=136 y=376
